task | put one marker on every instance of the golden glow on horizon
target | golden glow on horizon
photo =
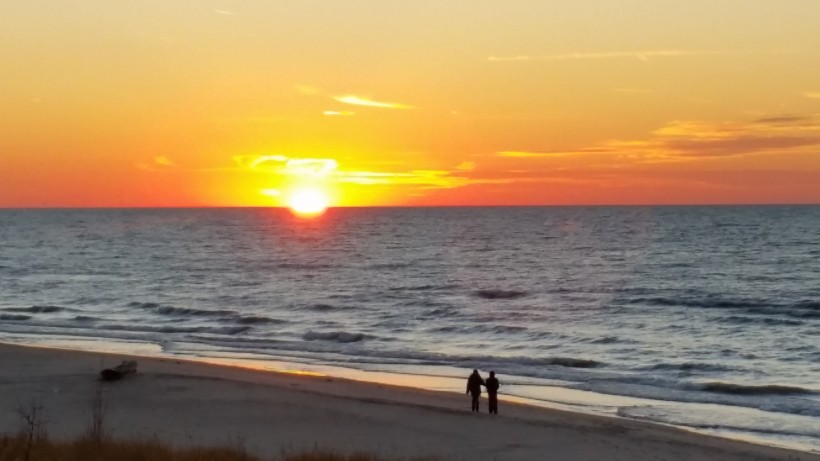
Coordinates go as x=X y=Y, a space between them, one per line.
x=308 y=202
x=502 y=103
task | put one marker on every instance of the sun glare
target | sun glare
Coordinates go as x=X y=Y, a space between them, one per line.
x=308 y=202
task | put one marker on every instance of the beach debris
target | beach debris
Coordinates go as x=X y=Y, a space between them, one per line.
x=122 y=370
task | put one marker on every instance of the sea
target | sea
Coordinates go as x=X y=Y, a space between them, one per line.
x=702 y=317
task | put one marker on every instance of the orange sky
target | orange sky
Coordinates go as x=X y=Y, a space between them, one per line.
x=407 y=102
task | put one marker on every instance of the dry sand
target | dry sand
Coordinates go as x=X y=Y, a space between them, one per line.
x=189 y=403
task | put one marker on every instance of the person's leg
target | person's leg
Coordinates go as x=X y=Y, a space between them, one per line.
x=493 y=404
x=475 y=402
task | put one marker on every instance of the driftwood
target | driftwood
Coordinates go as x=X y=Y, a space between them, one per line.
x=122 y=370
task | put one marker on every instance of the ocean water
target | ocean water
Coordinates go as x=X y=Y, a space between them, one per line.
x=701 y=317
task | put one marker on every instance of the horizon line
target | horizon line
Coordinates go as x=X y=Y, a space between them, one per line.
x=286 y=208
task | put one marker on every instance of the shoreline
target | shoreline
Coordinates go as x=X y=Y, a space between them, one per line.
x=175 y=396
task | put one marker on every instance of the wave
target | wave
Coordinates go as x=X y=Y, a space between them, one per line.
x=572 y=363
x=688 y=366
x=802 y=309
x=221 y=314
x=36 y=309
x=740 y=389
x=428 y=287
x=86 y=318
x=706 y=301
x=322 y=307
x=500 y=294
x=336 y=336
x=611 y=340
x=15 y=317
x=176 y=329
x=742 y=320
x=181 y=311
x=442 y=312
x=773 y=424
x=254 y=320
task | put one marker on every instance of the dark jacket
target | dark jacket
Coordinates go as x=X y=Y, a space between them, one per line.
x=474 y=383
x=492 y=385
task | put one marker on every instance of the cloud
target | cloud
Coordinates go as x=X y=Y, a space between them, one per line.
x=740 y=145
x=337 y=113
x=224 y=12
x=284 y=165
x=431 y=179
x=639 y=55
x=812 y=94
x=164 y=161
x=359 y=101
x=253 y=162
x=158 y=163
x=685 y=140
x=692 y=139
x=528 y=154
x=466 y=166
x=317 y=167
x=785 y=119
x=329 y=169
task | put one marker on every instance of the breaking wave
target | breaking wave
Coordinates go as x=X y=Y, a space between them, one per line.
x=177 y=329
x=740 y=389
x=181 y=311
x=689 y=366
x=221 y=314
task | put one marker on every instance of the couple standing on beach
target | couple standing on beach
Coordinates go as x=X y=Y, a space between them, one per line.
x=474 y=383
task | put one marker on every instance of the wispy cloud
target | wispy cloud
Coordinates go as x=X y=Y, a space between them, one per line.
x=164 y=161
x=812 y=94
x=158 y=163
x=436 y=179
x=338 y=113
x=686 y=140
x=284 y=165
x=466 y=166
x=541 y=154
x=225 y=12
x=359 y=101
x=785 y=119
x=639 y=55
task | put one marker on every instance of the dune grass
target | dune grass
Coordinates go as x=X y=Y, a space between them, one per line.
x=32 y=443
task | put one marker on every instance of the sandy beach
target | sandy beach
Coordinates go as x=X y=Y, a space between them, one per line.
x=194 y=404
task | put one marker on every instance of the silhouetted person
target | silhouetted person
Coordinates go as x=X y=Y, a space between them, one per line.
x=474 y=383
x=492 y=391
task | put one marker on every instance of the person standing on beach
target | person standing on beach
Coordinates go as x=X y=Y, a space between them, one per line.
x=474 y=383
x=492 y=391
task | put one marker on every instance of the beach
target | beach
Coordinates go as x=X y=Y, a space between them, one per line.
x=186 y=403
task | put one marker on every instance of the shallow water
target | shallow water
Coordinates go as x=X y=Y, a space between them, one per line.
x=703 y=317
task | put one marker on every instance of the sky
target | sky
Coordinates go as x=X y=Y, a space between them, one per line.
x=409 y=102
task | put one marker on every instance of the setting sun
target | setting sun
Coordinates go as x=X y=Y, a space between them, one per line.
x=308 y=202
